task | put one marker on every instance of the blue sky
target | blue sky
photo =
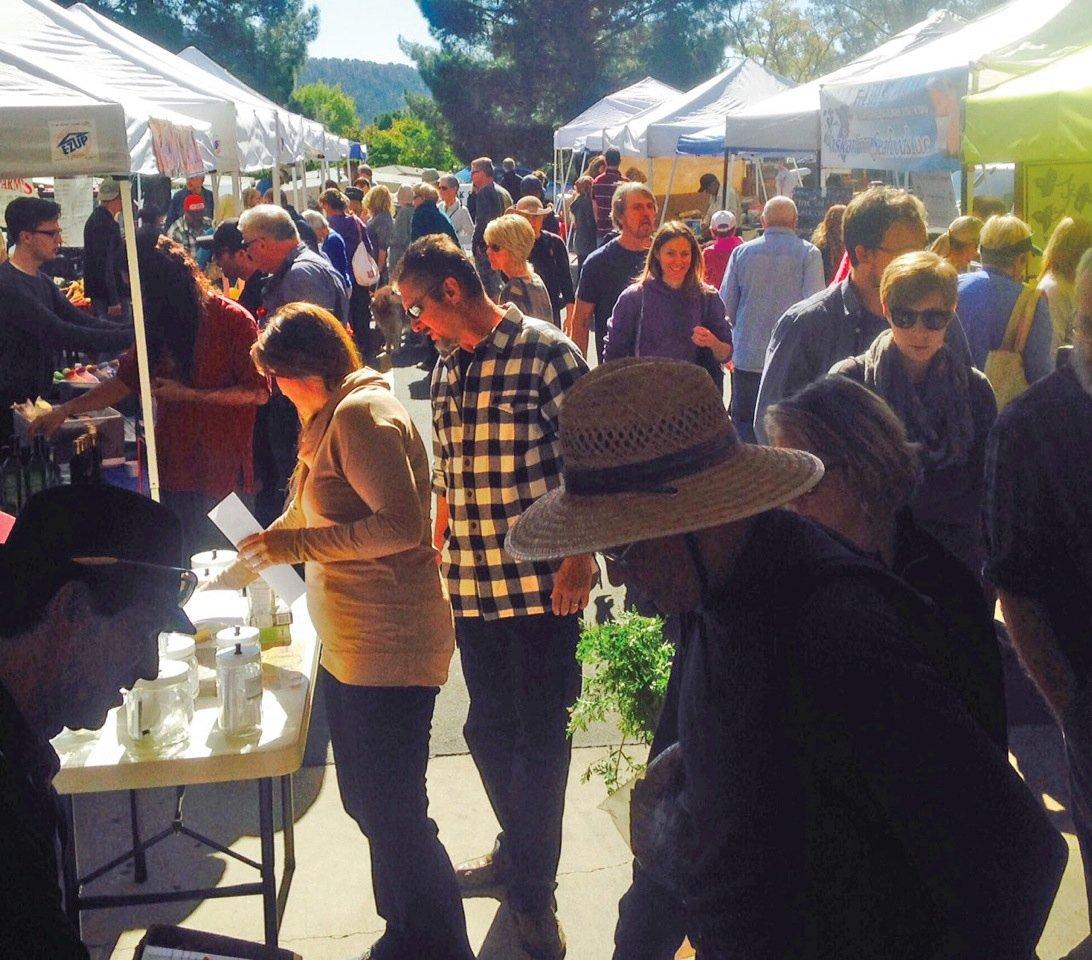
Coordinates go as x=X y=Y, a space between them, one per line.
x=373 y=29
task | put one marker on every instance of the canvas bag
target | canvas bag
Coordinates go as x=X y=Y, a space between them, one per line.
x=365 y=269
x=1005 y=366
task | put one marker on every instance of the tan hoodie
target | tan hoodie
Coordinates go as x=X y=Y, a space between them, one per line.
x=361 y=516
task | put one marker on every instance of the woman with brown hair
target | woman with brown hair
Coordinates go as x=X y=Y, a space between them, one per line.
x=828 y=238
x=582 y=217
x=359 y=519
x=946 y=405
x=670 y=311
x=206 y=389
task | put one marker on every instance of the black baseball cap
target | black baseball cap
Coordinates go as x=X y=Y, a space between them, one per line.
x=354 y=193
x=130 y=544
x=227 y=238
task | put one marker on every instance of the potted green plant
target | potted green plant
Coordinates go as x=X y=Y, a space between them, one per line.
x=631 y=663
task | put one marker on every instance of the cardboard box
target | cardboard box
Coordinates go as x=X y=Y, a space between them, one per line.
x=109 y=423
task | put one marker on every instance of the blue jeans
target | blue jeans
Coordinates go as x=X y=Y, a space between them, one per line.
x=523 y=675
x=380 y=739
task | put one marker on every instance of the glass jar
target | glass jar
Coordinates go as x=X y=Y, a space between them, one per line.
x=158 y=712
x=183 y=648
x=239 y=688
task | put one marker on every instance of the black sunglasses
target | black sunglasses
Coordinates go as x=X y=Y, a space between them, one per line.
x=930 y=319
x=171 y=578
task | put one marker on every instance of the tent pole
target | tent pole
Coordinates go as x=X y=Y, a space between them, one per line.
x=670 y=184
x=277 y=159
x=143 y=369
x=237 y=190
x=724 y=181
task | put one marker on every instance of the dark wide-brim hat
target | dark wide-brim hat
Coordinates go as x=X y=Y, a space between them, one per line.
x=649 y=451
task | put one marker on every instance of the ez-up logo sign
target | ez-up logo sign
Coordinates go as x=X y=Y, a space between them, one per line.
x=74 y=141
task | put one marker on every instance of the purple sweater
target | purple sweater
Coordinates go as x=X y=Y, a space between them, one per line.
x=670 y=317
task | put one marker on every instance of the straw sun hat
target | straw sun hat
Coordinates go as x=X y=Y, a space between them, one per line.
x=649 y=451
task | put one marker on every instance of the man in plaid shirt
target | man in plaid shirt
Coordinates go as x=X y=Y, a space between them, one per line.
x=496 y=393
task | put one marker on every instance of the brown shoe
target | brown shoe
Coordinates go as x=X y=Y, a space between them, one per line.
x=485 y=876
x=540 y=933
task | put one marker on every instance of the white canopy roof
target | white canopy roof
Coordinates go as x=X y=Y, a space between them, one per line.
x=253 y=135
x=585 y=132
x=297 y=132
x=42 y=33
x=51 y=128
x=788 y=122
x=655 y=132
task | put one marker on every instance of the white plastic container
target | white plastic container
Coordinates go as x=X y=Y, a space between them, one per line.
x=239 y=688
x=211 y=563
x=183 y=648
x=157 y=712
x=240 y=633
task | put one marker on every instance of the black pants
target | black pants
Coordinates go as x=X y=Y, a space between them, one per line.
x=522 y=675
x=380 y=738
x=360 y=319
x=745 y=385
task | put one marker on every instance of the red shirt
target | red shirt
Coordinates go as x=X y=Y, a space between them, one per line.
x=715 y=256
x=603 y=188
x=204 y=447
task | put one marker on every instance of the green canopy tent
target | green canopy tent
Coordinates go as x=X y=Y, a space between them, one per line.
x=1042 y=116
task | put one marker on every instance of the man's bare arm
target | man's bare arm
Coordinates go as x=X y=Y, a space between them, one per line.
x=578 y=324
x=1038 y=650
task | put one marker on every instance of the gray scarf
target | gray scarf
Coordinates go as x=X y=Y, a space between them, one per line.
x=935 y=412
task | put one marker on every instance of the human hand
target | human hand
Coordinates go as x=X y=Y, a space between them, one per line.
x=704 y=337
x=572 y=584
x=46 y=424
x=166 y=389
x=267 y=549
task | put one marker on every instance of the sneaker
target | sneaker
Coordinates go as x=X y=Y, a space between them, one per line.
x=483 y=876
x=540 y=933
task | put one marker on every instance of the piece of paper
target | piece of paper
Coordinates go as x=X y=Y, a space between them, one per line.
x=237 y=523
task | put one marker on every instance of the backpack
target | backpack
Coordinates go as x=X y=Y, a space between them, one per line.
x=365 y=269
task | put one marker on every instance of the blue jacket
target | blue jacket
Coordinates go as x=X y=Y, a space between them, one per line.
x=429 y=218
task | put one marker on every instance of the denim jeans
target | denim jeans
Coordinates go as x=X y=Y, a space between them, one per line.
x=380 y=739
x=745 y=385
x=522 y=675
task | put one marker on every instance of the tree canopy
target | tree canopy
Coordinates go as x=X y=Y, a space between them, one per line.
x=262 y=42
x=329 y=105
x=508 y=72
x=376 y=88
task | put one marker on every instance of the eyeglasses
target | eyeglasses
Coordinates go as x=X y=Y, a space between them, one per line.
x=245 y=245
x=495 y=247
x=930 y=319
x=415 y=309
x=184 y=581
x=619 y=555
x=48 y=233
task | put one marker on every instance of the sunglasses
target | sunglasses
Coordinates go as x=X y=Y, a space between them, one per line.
x=495 y=247
x=930 y=319
x=172 y=580
x=415 y=309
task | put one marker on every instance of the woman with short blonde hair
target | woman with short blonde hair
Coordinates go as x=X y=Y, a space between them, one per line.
x=508 y=243
x=1058 y=273
x=959 y=243
x=946 y=405
x=379 y=200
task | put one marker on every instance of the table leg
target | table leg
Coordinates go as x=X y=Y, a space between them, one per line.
x=288 y=827
x=140 y=861
x=69 y=868
x=269 y=879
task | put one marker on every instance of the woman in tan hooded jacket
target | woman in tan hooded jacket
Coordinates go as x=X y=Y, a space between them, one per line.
x=359 y=520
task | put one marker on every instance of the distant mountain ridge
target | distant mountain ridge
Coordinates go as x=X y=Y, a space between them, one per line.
x=376 y=88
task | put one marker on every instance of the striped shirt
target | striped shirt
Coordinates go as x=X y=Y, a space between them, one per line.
x=603 y=188
x=496 y=452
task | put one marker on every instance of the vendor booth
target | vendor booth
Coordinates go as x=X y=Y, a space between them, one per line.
x=1043 y=122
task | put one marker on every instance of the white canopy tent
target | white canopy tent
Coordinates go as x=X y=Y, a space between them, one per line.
x=585 y=132
x=905 y=114
x=255 y=124
x=40 y=32
x=53 y=129
x=787 y=124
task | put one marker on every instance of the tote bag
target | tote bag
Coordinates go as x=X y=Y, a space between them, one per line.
x=1005 y=366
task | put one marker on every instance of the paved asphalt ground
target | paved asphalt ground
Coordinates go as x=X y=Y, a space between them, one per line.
x=330 y=911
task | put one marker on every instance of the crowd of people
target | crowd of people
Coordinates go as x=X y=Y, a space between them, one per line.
x=902 y=447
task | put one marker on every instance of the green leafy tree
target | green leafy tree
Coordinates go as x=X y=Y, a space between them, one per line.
x=401 y=138
x=329 y=105
x=262 y=42
x=375 y=87
x=508 y=72
x=782 y=37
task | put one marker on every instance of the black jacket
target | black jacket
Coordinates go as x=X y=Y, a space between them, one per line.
x=551 y=262
x=103 y=258
x=33 y=925
x=844 y=803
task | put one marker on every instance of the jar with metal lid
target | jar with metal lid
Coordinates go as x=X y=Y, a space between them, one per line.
x=239 y=688
x=183 y=648
x=157 y=712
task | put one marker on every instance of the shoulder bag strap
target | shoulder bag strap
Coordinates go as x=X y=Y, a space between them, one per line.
x=1020 y=320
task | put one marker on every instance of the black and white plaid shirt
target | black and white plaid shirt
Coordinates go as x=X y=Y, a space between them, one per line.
x=495 y=439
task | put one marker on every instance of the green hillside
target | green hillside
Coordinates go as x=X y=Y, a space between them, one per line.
x=376 y=87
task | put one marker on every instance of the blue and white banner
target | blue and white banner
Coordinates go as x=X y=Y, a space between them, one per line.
x=909 y=123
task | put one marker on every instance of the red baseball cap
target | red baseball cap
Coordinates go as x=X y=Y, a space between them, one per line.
x=193 y=202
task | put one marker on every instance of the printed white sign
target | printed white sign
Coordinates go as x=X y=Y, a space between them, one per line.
x=74 y=194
